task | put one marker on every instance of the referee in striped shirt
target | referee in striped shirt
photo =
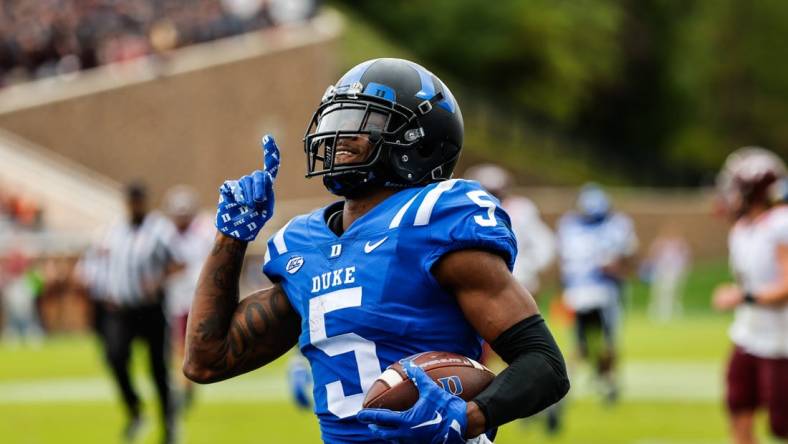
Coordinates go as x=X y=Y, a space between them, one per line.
x=125 y=274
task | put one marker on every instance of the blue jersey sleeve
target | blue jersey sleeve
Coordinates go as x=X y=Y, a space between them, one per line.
x=271 y=268
x=279 y=258
x=465 y=216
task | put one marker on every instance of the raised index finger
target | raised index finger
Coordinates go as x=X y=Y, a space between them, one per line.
x=270 y=156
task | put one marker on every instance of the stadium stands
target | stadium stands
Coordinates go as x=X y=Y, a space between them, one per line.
x=57 y=37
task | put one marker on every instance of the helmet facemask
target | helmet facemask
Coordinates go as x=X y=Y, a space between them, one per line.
x=345 y=125
x=396 y=151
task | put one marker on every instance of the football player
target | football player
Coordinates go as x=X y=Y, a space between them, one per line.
x=536 y=244
x=596 y=244
x=409 y=261
x=750 y=185
x=193 y=237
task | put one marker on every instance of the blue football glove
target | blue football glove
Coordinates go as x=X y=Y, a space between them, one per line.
x=438 y=417
x=246 y=204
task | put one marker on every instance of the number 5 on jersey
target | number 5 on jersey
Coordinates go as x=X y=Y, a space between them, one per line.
x=364 y=350
x=483 y=200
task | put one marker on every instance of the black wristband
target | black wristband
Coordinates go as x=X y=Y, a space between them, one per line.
x=750 y=298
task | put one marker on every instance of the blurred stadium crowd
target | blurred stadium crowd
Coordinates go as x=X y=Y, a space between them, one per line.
x=17 y=210
x=34 y=283
x=53 y=37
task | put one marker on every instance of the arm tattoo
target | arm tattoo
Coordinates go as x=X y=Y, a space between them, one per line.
x=225 y=276
x=227 y=336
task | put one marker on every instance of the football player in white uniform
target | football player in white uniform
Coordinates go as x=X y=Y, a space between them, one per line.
x=757 y=374
x=595 y=245
x=194 y=239
x=536 y=245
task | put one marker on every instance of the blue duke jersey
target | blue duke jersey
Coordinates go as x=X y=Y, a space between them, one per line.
x=368 y=298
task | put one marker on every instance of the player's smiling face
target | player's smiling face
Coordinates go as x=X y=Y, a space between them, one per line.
x=355 y=148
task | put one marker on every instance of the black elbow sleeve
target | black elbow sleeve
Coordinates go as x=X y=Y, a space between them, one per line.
x=535 y=379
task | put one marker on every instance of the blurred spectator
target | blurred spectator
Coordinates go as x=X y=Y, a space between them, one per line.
x=126 y=273
x=18 y=211
x=43 y=38
x=665 y=269
x=20 y=285
x=536 y=247
x=596 y=245
x=6 y=219
x=61 y=305
x=290 y=11
x=194 y=240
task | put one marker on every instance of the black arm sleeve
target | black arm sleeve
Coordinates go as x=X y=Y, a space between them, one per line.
x=535 y=379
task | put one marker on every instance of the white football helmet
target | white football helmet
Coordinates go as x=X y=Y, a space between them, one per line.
x=749 y=174
x=491 y=177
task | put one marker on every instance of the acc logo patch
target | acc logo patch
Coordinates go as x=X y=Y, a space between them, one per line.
x=294 y=264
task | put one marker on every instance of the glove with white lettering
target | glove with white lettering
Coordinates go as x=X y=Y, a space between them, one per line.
x=437 y=417
x=246 y=204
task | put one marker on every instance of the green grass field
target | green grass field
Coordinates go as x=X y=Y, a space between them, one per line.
x=672 y=379
x=61 y=393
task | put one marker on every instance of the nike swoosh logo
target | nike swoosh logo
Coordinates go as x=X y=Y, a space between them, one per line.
x=438 y=419
x=368 y=247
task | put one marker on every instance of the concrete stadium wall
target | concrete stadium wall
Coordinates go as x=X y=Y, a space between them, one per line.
x=194 y=117
x=74 y=198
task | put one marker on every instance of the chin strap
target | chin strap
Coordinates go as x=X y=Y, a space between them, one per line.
x=347 y=184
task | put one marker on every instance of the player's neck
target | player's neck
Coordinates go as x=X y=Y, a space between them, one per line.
x=359 y=206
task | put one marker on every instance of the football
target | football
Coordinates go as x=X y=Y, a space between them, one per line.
x=457 y=374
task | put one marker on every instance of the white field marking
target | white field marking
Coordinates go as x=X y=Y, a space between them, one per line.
x=660 y=381
x=102 y=389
